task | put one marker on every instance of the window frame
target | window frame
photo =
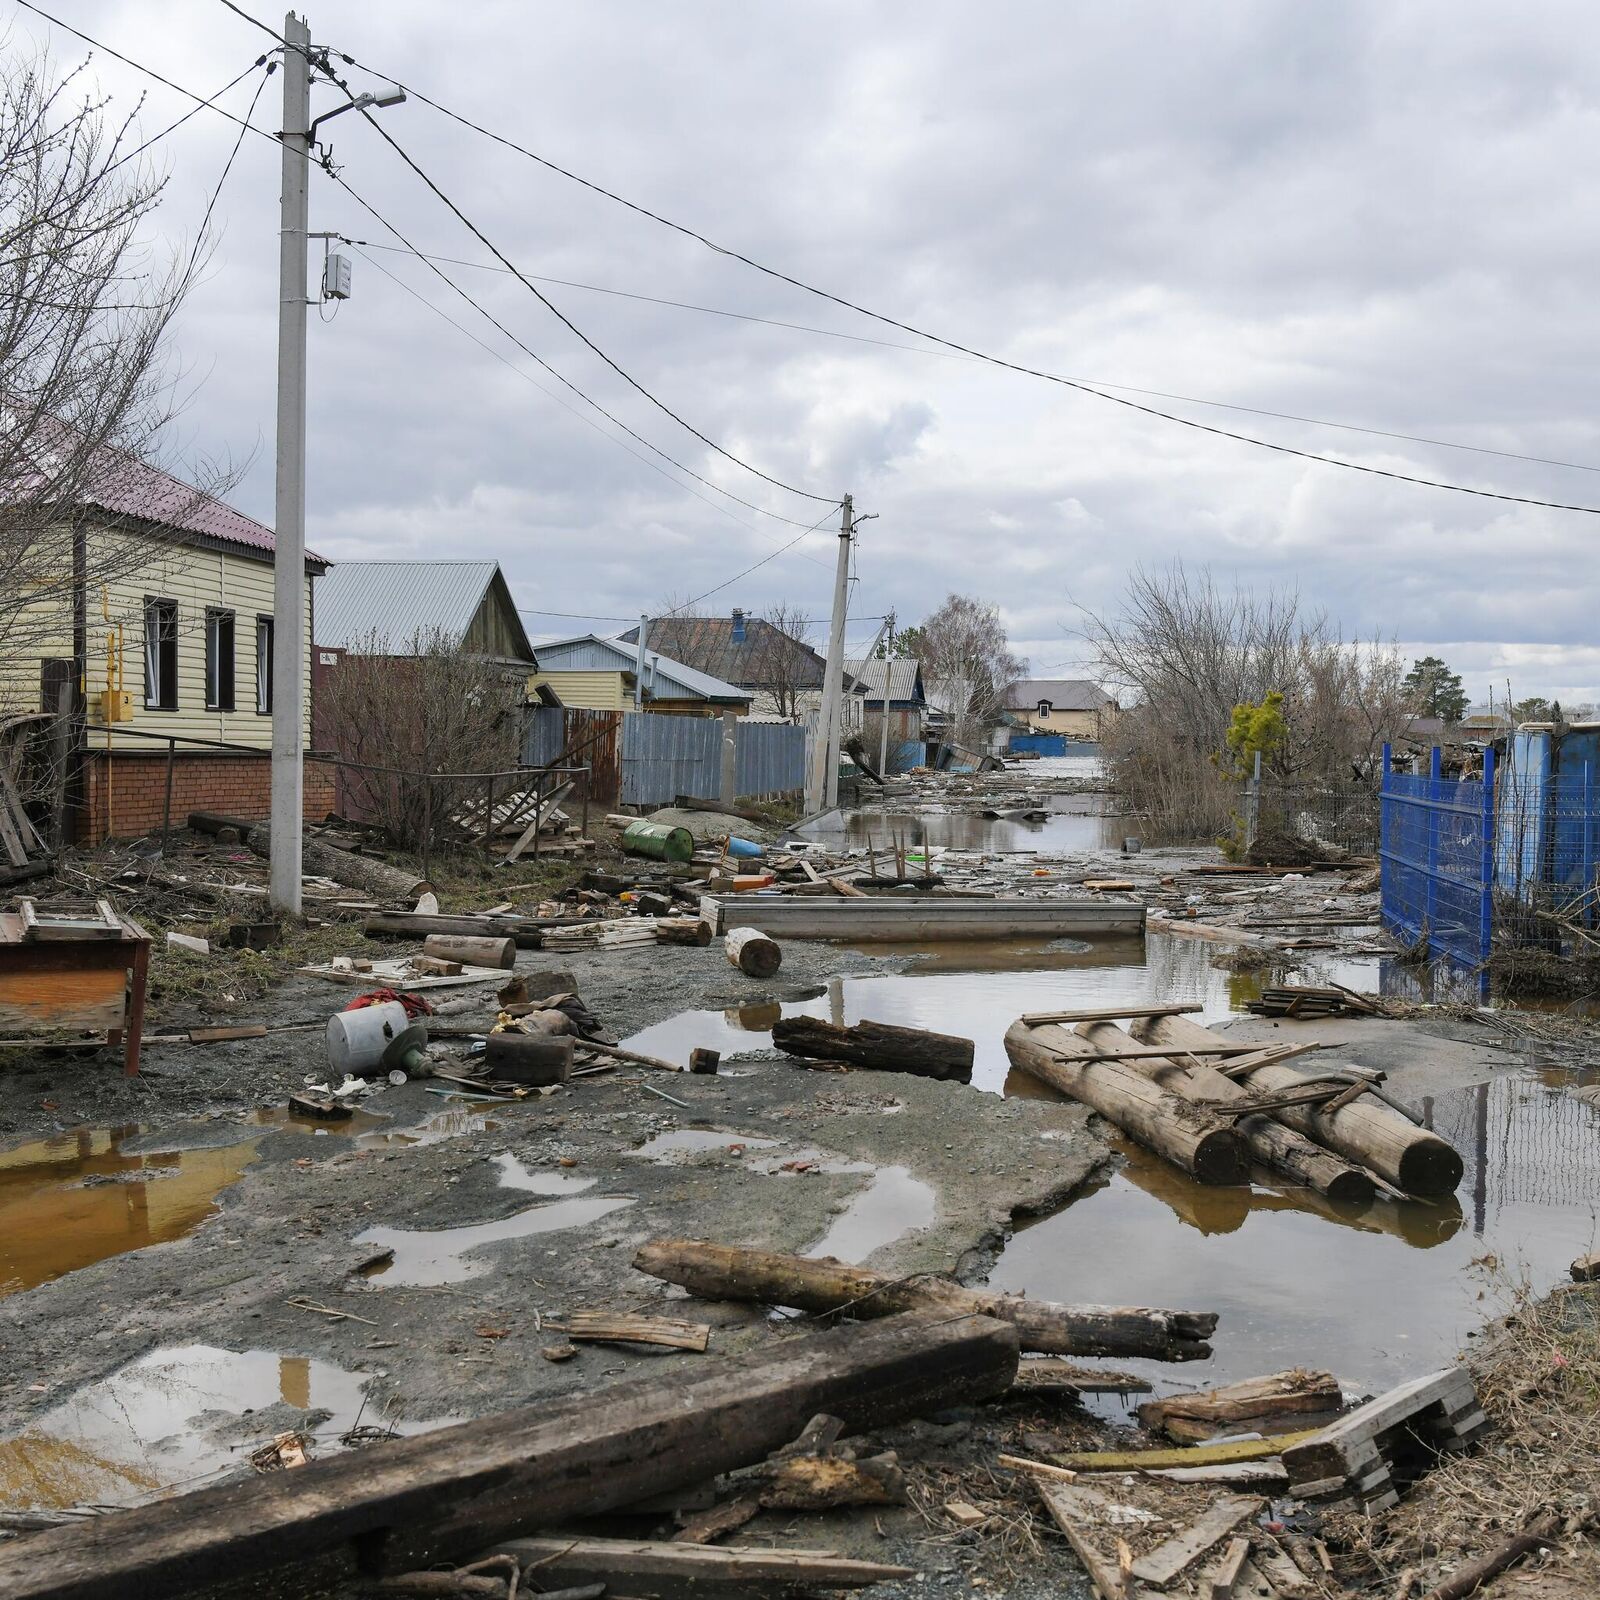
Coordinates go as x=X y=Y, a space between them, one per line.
x=265 y=629
x=164 y=668
x=221 y=665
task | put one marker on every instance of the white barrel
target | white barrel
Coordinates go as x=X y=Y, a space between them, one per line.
x=357 y=1039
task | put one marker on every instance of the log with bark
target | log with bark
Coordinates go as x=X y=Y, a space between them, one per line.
x=528 y=934
x=471 y=950
x=1365 y=1131
x=1201 y=1144
x=413 y=1503
x=877 y=1046
x=1269 y=1141
x=321 y=859
x=733 y=1272
x=753 y=953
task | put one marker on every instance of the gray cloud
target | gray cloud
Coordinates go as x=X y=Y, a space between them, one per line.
x=1365 y=212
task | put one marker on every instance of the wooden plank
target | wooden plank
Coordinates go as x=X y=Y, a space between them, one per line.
x=1109 y=1013
x=1225 y=1574
x=1045 y=1374
x=442 y=1496
x=1197 y=1455
x=1074 y=1511
x=625 y=1564
x=601 y=1327
x=1161 y=1565
x=1346 y=1444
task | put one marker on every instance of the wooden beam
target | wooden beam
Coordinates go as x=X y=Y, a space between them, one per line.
x=1199 y=1455
x=1109 y=1013
x=1161 y=1565
x=442 y=1496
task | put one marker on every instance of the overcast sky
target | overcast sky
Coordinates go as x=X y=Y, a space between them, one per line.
x=1370 y=213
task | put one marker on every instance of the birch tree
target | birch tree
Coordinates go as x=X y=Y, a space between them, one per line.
x=968 y=665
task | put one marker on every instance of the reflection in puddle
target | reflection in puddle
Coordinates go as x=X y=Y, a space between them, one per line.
x=358 y=1122
x=139 y=1432
x=1375 y=1296
x=892 y=1205
x=1073 y=823
x=450 y=1255
x=697 y=1141
x=74 y=1199
x=454 y=1122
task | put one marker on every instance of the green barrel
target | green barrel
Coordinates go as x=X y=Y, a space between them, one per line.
x=656 y=839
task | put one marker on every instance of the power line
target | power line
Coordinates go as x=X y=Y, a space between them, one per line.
x=149 y=72
x=572 y=327
x=951 y=344
x=227 y=167
x=560 y=377
x=949 y=355
x=566 y=405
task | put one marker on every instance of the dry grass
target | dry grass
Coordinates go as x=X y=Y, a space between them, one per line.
x=1538 y=1378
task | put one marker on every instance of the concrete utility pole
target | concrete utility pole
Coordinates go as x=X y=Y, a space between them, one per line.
x=883 y=732
x=823 y=785
x=638 y=665
x=289 y=562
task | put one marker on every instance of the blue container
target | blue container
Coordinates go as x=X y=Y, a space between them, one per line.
x=745 y=849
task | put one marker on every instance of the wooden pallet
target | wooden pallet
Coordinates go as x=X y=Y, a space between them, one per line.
x=1368 y=1455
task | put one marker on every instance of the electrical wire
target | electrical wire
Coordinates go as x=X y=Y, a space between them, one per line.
x=245 y=127
x=587 y=421
x=572 y=327
x=194 y=110
x=560 y=377
x=950 y=355
x=951 y=344
x=695 y=600
x=149 y=72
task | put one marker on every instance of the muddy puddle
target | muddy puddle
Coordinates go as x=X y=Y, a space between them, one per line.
x=1070 y=824
x=174 y=1419
x=77 y=1198
x=978 y=988
x=1376 y=1296
x=425 y=1257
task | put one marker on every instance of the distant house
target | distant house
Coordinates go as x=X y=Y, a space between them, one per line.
x=598 y=674
x=160 y=628
x=908 y=703
x=1076 y=707
x=781 y=674
x=389 y=608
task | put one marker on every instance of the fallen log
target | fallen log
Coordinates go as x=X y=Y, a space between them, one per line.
x=683 y=930
x=1366 y=1130
x=878 y=1046
x=471 y=950
x=420 y=924
x=732 y=1272
x=1267 y=1139
x=323 y=860
x=1191 y=1417
x=409 y=1504
x=649 y=1567
x=752 y=952
x=1201 y=1144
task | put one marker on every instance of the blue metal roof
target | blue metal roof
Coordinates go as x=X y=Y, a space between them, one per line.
x=665 y=678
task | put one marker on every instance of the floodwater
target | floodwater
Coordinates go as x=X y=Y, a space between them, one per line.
x=429 y=1256
x=162 y=1423
x=1075 y=823
x=1376 y=1296
x=978 y=988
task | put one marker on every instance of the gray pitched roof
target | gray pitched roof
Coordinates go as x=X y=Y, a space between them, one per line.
x=664 y=678
x=904 y=673
x=395 y=601
x=1064 y=694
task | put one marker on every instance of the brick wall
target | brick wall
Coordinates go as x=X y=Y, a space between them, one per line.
x=130 y=788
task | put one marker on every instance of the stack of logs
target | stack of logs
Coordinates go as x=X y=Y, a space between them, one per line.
x=1216 y=1108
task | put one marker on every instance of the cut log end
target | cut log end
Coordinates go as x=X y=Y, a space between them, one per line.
x=1352 y=1188
x=1220 y=1158
x=1431 y=1169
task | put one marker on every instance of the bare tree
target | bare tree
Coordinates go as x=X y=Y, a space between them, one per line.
x=424 y=710
x=968 y=665
x=785 y=663
x=84 y=311
x=1185 y=652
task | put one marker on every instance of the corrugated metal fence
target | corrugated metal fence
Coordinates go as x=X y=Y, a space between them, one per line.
x=644 y=759
x=1437 y=857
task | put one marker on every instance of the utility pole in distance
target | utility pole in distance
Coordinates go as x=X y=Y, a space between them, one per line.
x=822 y=786
x=883 y=732
x=289 y=561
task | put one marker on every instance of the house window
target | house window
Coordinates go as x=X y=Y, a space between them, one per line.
x=1045 y=708
x=160 y=654
x=219 y=660
x=264 y=666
